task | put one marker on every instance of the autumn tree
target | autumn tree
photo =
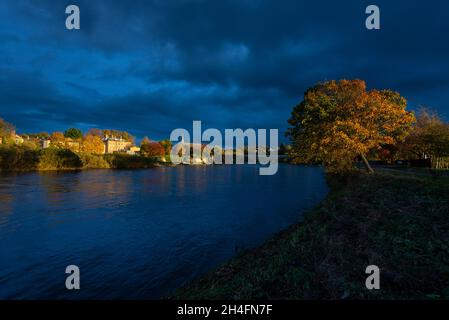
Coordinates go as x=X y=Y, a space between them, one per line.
x=92 y=144
x=429 y=137
x=6 y=130
x=119 y=134
x=167 y=145
x=145 y=140
x=58 y=140
x=152 y=149
x=339 y=121
x=39 y=135
x=96 y=132
x=73 y=133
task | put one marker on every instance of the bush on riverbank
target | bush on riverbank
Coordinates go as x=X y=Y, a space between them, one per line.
x=24 y=158
x=126 y=161
x=94 y=161
x=397 y=222
x=58 y=159
x=18 y=157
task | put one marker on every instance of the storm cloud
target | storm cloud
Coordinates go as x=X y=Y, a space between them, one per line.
x=152 y=66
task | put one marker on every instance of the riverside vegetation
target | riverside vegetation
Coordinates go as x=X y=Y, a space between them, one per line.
x=23 y=158
x=72 y=150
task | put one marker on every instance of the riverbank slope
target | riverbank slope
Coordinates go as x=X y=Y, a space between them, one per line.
x=397 y=222
x=18 y=158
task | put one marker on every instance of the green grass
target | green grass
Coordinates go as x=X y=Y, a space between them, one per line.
x=395 y=221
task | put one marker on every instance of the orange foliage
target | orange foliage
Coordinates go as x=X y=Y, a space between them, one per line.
x=152 y=149
x=340 y=120
x=58 y=140
x=93 y=144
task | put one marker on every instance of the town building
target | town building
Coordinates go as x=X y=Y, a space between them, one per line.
x=195 y=159
x=44 y=143
x=73 y=144
x=13 y=137
x=113 y=144
x=18 y=139
x=133 y=150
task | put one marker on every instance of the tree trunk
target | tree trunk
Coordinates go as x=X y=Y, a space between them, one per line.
x=366 y=163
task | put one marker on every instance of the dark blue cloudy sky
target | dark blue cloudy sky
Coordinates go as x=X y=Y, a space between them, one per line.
x=151 y=66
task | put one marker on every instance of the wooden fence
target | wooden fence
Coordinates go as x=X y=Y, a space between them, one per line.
x=440 y=163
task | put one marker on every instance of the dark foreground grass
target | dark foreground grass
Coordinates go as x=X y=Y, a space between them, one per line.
x=398 y=222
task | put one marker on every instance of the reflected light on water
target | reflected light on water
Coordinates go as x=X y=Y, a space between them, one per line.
x=140 y=233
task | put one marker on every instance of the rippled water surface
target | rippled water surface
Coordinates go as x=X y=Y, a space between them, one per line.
x=139 y=234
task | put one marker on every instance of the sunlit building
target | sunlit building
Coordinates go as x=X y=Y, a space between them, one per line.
x=113 y=144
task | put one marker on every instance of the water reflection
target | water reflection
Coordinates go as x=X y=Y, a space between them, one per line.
x=141 y=233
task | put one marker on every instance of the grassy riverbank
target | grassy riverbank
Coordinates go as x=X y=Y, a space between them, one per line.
x=395 y=221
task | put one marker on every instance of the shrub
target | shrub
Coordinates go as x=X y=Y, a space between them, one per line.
x=126 y=161
x=93 y=161
x=14 y=157
x=54 y=158
x=27 y=158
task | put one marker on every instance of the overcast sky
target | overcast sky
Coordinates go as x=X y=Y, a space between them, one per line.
x=149 y=67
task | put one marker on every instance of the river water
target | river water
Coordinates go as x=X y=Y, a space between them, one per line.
x=139 y=234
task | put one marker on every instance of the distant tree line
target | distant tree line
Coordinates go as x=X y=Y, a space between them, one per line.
x=72 y=149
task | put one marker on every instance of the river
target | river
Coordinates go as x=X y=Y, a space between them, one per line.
x=139 y=234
